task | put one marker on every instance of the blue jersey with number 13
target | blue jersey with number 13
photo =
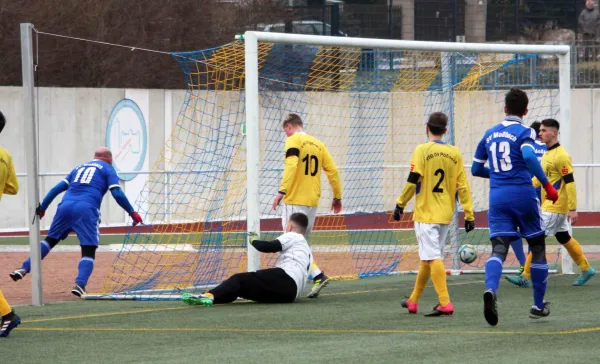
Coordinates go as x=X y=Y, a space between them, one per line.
x=89 y=182
x=501 y=148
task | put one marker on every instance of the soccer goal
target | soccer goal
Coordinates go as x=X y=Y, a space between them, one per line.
x=368 y=101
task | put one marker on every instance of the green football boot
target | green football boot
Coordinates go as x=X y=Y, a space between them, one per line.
x=197 y=299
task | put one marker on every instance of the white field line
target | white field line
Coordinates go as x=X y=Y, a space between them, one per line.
x=160 y=248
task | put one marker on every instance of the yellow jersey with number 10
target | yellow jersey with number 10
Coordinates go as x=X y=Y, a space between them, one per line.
x=442 y=174
x=305 y=157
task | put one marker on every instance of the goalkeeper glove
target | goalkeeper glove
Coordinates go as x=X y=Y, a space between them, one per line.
x=137 y=219
x=253 y=236
x=551 y=193
x=469 y=225
x=397 y=212
x=39 y=211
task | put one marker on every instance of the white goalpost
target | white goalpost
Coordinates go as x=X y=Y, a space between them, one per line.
x=446 y=50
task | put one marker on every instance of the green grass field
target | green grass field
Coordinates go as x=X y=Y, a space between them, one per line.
x=352 y=322
x=586 y=236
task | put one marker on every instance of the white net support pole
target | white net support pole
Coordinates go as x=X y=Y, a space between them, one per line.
x=564 y=81
x=252 y=147
x=33 y=188
x=447 y=104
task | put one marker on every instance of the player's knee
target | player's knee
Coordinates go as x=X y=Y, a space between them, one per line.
x=51 y=242
x=537 y=246
x=563 y=237
x=500 y=247
x=88 y=251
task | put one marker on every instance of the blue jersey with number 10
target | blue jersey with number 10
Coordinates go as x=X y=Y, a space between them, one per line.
x=501 y=148
x=89 y=182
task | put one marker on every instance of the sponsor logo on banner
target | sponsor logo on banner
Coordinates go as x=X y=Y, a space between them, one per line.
x=127 y=136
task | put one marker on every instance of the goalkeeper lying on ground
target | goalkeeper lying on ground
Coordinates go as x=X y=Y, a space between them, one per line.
x=282 y=284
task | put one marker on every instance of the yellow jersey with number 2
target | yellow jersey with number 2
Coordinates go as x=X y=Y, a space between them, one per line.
x=441 y=175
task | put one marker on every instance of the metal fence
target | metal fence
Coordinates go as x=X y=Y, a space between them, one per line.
x=585 y=64
x=382 y=21
x=587 y=201
x=509 y=19
x=380 y=67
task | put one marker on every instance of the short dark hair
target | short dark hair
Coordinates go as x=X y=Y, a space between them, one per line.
x=551 y=123
x=293 y=119
x=516 y=102
x=300 y=220
x=536 y=127
x=437 y=123
x=2 y=121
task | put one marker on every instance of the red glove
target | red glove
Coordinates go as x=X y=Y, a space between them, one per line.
x=551 y=193
x=39 y=211
x=137 y=219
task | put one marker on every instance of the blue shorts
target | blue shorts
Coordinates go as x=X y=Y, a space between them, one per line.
x=538 y=193
x=515 y=218
x=80 y=217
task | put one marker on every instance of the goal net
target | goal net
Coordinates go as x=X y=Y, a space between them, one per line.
x=368 y=101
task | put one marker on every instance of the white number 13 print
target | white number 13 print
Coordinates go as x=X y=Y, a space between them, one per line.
x=505 y=162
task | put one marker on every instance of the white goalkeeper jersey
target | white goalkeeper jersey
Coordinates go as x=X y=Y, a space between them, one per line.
x=295 y=258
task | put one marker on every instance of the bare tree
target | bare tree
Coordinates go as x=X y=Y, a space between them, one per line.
x=167 y=25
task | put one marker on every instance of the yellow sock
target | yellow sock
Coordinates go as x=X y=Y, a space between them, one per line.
x=4 y=306
x=208 y=294
x=576 y=253
x=527 y=270
x=422 y=279
x=438 y=276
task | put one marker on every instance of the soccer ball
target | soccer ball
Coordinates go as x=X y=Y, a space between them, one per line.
x=467 y=253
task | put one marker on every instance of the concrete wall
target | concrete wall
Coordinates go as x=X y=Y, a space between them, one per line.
x=73 y=123
x=475 y=20
x=370 y=135
x=408 y=18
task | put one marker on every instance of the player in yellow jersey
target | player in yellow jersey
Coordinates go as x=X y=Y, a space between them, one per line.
x=436 y=175
x=10 y=186
x=300 y=187
x=559 y=216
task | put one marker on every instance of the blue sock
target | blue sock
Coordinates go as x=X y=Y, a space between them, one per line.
x=517 y=247
x=86 y=266
x=493 y=271
x=539 y=279
x=45 y=248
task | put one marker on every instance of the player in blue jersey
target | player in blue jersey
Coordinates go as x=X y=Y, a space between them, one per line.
x=517 y=243
x=509 y=148
x=79 y=211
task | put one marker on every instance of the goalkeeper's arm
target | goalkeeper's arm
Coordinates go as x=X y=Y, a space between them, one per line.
x=264 y=246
